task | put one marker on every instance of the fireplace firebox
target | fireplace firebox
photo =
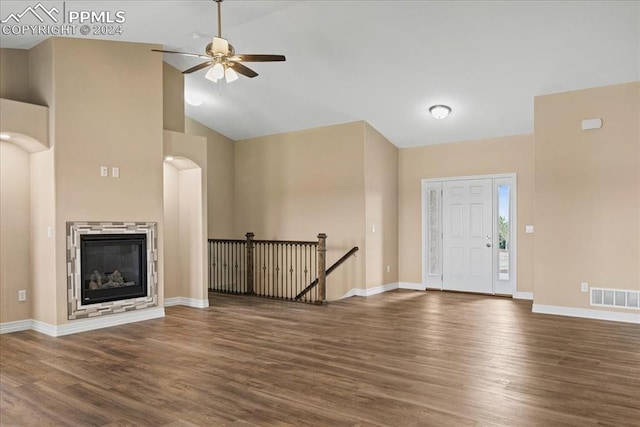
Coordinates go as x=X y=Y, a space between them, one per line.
x=112 y=267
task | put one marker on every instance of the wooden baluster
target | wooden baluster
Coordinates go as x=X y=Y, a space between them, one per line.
x=250 y=263
x=322 y=261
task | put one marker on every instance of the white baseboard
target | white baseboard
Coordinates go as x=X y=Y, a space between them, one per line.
x=189 y=302
x=523 y=295
x=17 y=326
x=411 y=285
x=367 y=292
x=586 y=313
x=354 y=292
x=83 y=325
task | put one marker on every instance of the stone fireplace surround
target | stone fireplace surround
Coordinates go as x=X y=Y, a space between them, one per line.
x=77 y=310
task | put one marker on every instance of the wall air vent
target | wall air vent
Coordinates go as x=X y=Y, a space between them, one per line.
x=618 y=298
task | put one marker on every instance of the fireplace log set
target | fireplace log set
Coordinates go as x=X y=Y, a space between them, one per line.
x=114 y=280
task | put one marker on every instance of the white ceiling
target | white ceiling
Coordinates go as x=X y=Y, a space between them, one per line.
x=386 y=62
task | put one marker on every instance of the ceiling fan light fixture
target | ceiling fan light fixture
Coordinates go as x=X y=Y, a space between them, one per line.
x=230 y=75
x=217 y=71
x=440 y=112
x=211 y=75
x=221 y=55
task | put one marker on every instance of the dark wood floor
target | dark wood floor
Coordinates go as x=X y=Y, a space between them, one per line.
x=400 y=358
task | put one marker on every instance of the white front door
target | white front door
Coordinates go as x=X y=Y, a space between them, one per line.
x=467 y=225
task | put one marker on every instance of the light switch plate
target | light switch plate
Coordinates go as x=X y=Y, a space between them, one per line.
x=528 y=229
x=584 y=287
x=115 y=172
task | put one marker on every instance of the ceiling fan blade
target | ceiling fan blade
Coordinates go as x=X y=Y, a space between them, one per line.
x=197 y=67
x=220 y=45
x=245 y=71
x=257 y=58
x=195 y=55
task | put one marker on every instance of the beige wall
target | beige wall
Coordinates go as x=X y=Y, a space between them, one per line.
x=489 y=156
x=27 y=124
x=43 y=219
x=220 y=177
x=41 y=77
x=14 y=233
x=587 y=192
x=171 y=186
x=103 y=116
x=173 y=98
x=14 y=74
x=192 y=235
x=293 y=186
x=381 y=201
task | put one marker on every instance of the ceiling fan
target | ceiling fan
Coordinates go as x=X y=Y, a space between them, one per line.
x=222 y=58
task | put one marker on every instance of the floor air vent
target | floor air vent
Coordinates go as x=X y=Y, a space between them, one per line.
x=618 y=298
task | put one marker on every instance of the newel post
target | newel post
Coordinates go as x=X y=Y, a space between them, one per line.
x=322 y=267
x=250 y=263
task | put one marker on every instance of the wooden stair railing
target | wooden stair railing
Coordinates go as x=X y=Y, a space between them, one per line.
x=268 y=268
x=329 y=271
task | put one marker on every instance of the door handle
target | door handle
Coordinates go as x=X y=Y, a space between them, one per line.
x=488 y=245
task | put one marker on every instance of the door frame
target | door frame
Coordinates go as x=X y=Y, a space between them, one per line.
x=497 y=179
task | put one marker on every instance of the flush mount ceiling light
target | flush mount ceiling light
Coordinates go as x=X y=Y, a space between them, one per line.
x=440 y=111
x=5 y=136
x=194 y=100
x=220 y=55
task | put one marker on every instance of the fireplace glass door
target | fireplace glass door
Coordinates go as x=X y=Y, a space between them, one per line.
x=112 y=267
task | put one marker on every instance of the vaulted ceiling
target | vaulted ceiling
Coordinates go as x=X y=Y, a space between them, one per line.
x=386 y=62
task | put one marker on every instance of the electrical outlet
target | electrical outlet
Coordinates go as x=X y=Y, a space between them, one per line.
x=104 y=171
x=22 y=295
x=584 y=287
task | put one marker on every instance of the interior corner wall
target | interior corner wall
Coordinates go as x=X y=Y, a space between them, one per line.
x=481 y=157
x=103 y=117
x=42 y=192
x=173 y=98
x=15 y=233
x=220 y=179
x=295 y=185
x=587 y=192
x=14 y=74
x=381 y=205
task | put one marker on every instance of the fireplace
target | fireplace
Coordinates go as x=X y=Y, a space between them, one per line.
x=111 y=267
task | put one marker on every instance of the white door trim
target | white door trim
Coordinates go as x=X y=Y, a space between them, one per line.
x=430 y=183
